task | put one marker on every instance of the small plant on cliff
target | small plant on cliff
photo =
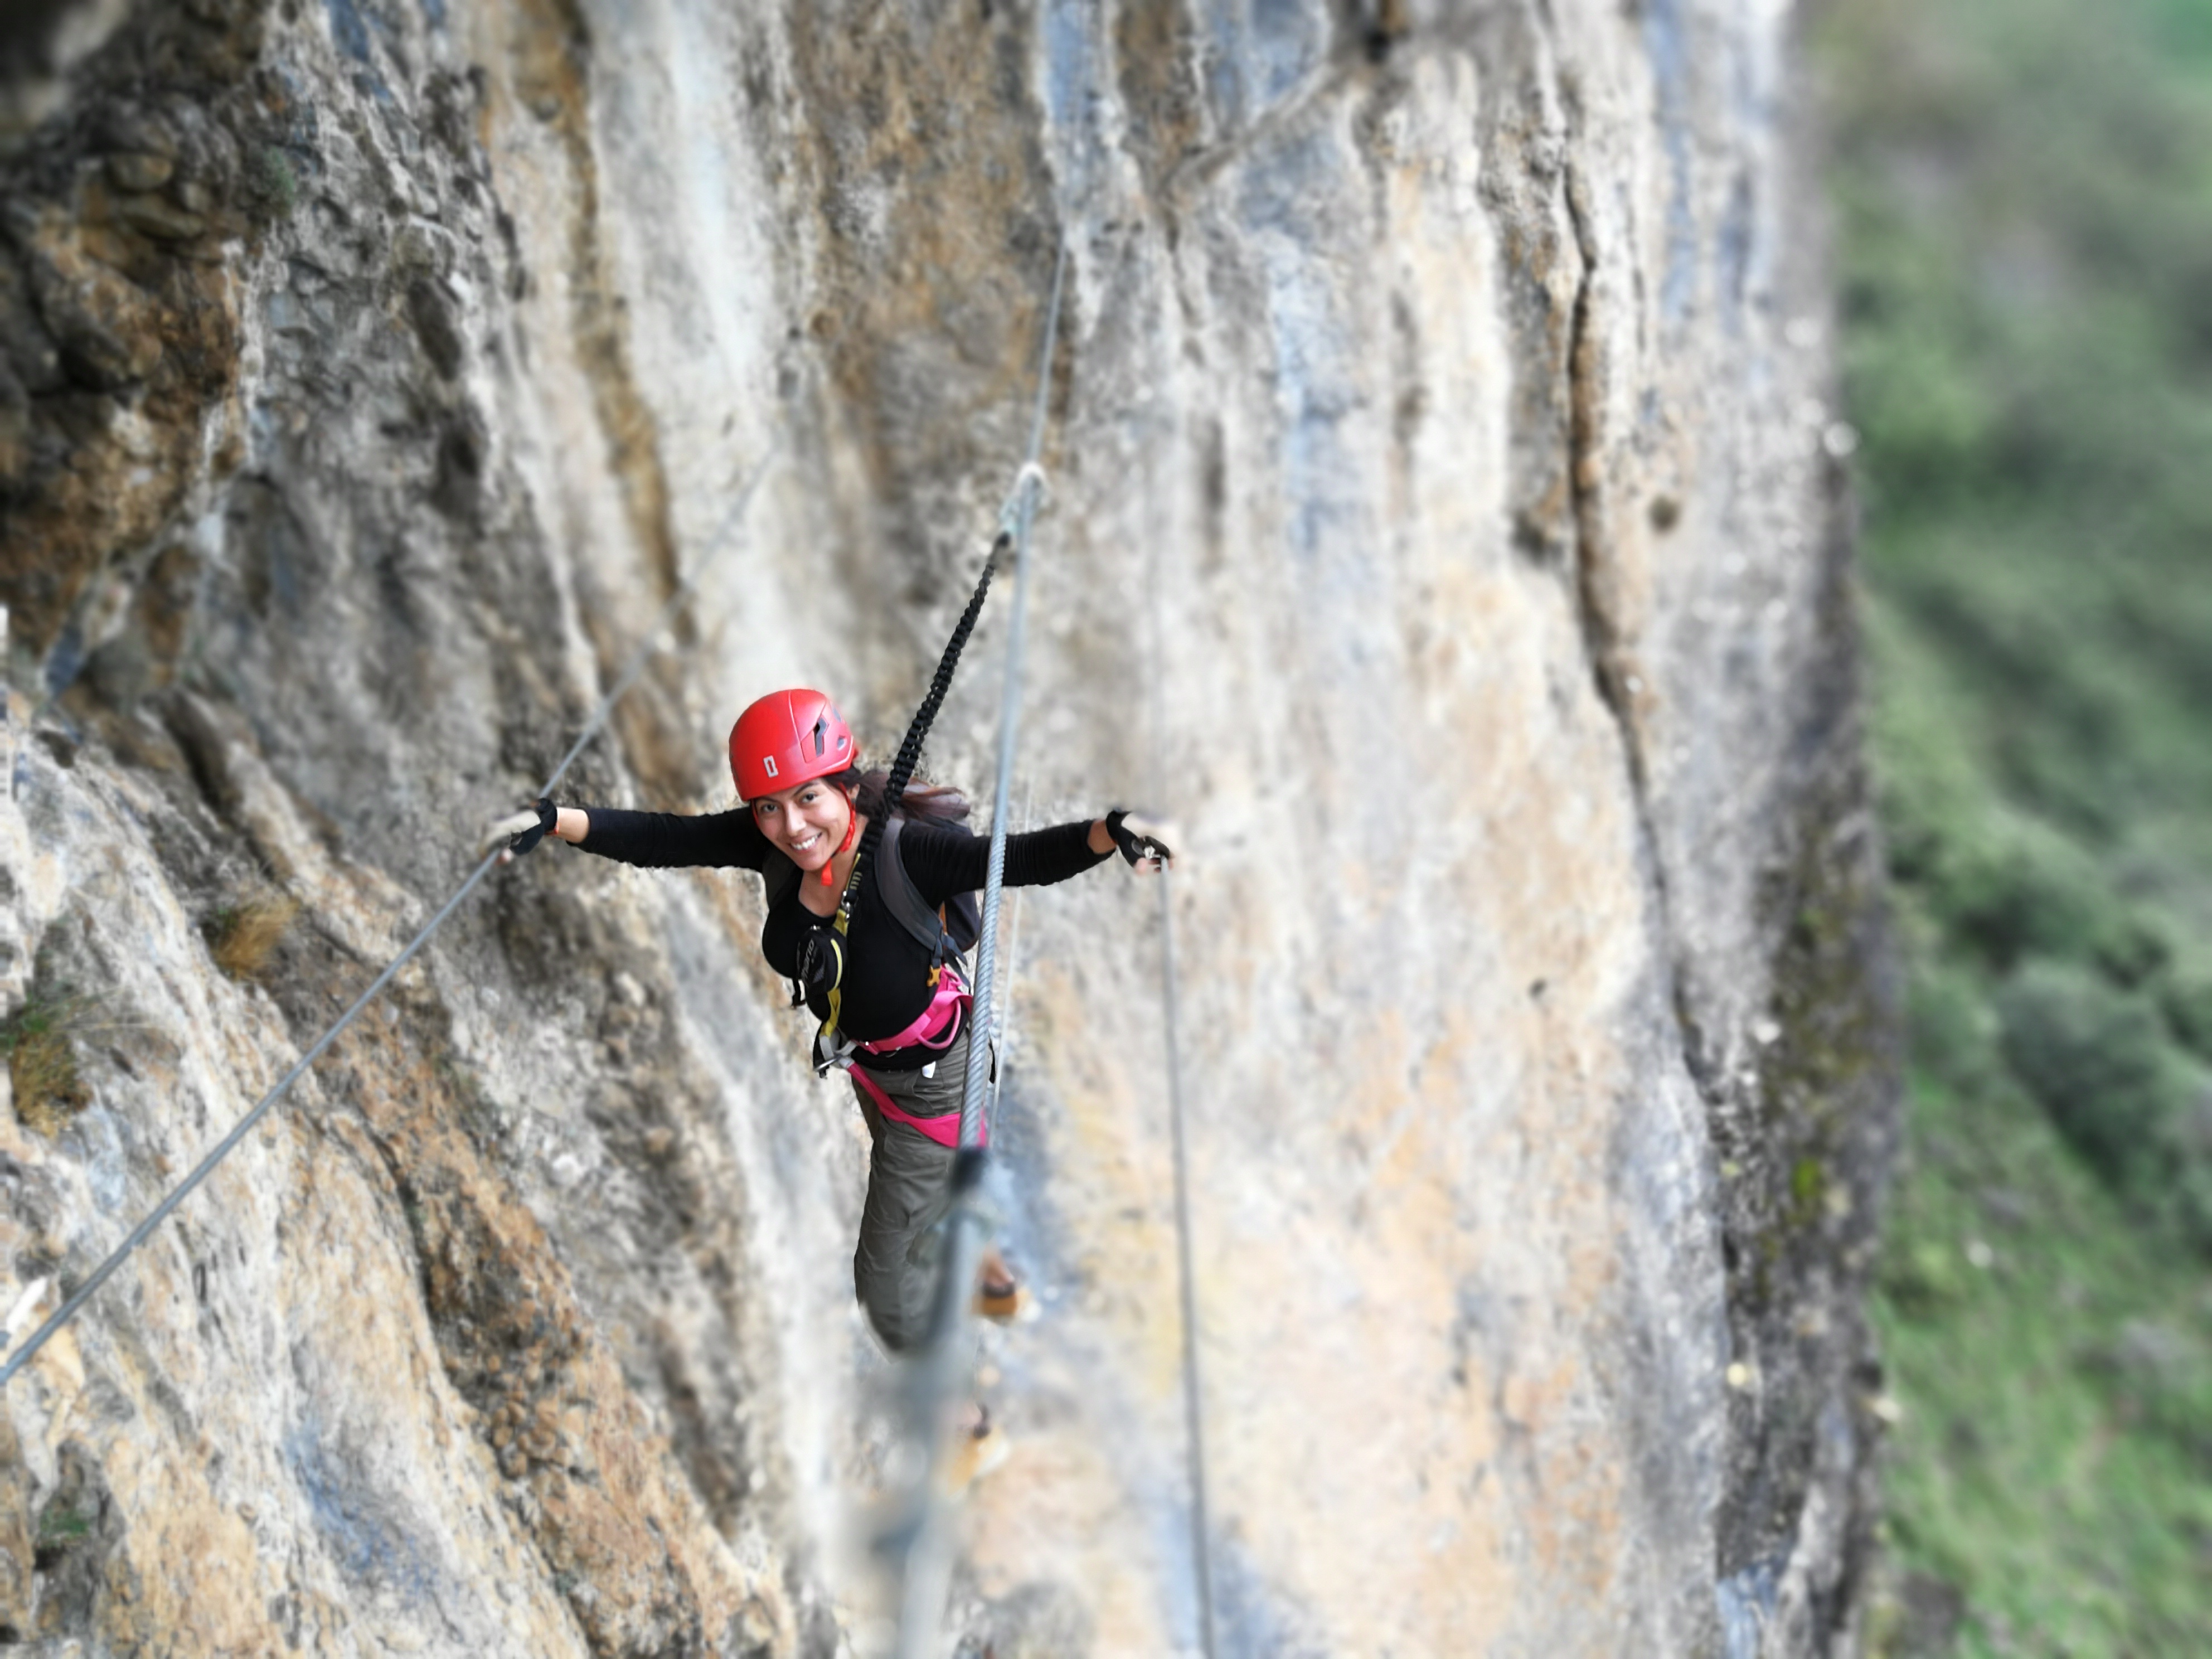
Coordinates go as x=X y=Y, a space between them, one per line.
x=275 y=182
x=61 y=1524
x=42 y=1062
x=244 y=936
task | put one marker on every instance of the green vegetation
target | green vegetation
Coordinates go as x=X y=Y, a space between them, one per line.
x=243 y=936
x=275 y=182
x=42 y=1059
x=62 y=1525
x=2024 y=197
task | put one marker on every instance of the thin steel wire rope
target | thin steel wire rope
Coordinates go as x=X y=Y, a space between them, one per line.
x=1193 y=1381
x=939 y=1375
x=1010 y=708
x=1002 y=1011
x=144 y=1229
x=1193 y=1390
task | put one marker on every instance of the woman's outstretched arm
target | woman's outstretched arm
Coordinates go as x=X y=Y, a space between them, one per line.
x=665 y=840
x=944 y=862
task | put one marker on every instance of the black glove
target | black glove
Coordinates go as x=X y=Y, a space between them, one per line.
x=1133 y=835
x=524 y=839
x=520 y=831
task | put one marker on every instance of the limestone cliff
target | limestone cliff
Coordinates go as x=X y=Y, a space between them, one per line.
x=1445 y=527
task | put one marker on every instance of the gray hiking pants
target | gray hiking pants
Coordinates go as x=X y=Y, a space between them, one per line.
x=895 y=1265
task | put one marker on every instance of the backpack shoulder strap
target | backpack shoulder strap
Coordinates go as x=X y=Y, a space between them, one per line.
x=903 y=899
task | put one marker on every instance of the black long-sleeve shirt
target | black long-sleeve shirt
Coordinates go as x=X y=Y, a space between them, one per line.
x=886 y=982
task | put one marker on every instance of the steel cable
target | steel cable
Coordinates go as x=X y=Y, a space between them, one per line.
x=1194 y=1383
x=1002 y=1013
x=937 y=1379
x=138 y=1235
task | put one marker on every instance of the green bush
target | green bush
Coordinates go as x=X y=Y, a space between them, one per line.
x=2188 y=1142
x=2013 y=887
x=1954 y=1029
x=2094 y=1057
x=2186 y=998
x=2024 y=194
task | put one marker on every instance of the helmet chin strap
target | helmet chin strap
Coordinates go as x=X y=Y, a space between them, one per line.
x=852 y=830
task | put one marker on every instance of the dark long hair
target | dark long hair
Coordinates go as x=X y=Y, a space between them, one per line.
x=930 y=803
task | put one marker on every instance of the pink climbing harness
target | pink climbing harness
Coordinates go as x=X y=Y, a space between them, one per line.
x=935 y=1020
x=937 y=1027
x=944 y=1129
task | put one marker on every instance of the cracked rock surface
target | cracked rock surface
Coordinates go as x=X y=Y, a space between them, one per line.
x=1445 y=527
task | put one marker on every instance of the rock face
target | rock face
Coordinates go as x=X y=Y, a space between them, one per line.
x=1443 y=526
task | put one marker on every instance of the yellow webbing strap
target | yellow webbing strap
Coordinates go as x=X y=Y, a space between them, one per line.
x=826 y=1038
x=844 y=917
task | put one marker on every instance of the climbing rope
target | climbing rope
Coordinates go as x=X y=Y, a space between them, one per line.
x=183 y=1189
x=908 y=757
x=1011 y=513
x=918 y=1540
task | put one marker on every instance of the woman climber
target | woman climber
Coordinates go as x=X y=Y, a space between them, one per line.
x=885 y=977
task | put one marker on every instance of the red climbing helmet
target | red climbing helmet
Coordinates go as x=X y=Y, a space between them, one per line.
x=787 y=738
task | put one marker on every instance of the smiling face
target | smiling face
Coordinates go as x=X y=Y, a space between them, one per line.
x=805 y=822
